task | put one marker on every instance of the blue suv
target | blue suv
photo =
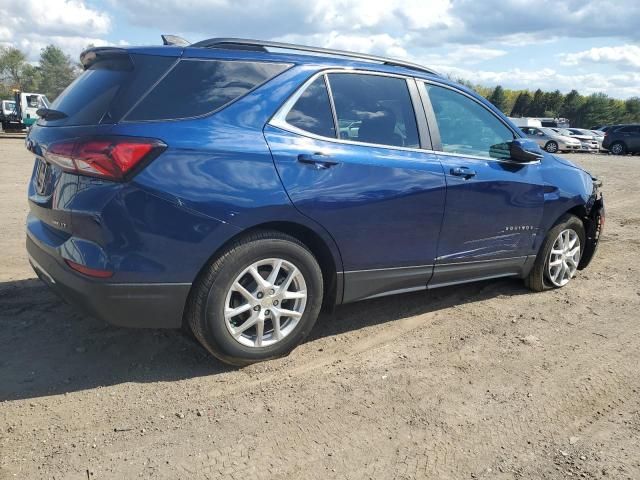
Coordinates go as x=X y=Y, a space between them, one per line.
x=238 y=186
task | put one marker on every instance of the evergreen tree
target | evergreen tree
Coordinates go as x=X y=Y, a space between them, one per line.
x=537 y=105
x=571 y=107
x=553 y=103
x=498 y=98
x=521 y=107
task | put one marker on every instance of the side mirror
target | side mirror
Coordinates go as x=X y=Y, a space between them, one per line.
x=524 y=151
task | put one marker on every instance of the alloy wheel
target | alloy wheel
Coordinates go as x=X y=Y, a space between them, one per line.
x=564 y=258
x=265 y=302
x=617 y=148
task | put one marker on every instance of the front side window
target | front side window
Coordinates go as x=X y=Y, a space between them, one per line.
x=374 y=109
x=466 y=127
x=198 y=87
x=312 y=111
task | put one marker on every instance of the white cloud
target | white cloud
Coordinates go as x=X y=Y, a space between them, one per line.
x=462 y=55
x=621 y=85
x=623 y=56
x=70 y=24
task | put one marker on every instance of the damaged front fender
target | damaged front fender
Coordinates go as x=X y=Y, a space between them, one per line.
x=593 y=225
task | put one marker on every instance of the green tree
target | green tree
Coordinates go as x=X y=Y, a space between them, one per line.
x=56 y=70
x=632 y=110
x=12 y=67
x=521 y=106
x=596 y=110
x=571 y=106
x=498 y=98
x=553 y=103
x=537 y=105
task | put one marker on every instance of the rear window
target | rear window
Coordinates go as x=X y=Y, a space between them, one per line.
x=198 y=87
x=106 y=91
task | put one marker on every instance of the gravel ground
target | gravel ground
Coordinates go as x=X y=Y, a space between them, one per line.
x=479 y=381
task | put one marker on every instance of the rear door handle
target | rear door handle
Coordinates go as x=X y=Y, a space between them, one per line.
x=463 y=172
x=320 y=160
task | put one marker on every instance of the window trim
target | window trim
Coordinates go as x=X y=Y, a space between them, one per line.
x=278 y=120
x=125 y=117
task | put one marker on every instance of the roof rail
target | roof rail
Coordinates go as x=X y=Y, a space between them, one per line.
x=262 y=46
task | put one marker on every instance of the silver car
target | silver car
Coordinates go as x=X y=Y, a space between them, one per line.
x=551 y=140
x=588 y=140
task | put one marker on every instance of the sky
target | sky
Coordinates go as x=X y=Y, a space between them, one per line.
x=592 y=46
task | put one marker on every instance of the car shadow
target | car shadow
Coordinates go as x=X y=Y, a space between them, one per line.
x=49 y=348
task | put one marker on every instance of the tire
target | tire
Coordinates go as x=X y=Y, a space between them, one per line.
x=551 y=146
x=217 y=288
x=539 y=279
x=618 y=148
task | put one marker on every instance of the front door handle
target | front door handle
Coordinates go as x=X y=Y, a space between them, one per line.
x=463 y=172
x=320 y=160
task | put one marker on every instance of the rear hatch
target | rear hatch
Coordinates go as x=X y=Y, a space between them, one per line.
x=64 y=139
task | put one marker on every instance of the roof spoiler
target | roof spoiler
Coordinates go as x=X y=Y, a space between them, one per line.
x=175 y=41
x=91 y=55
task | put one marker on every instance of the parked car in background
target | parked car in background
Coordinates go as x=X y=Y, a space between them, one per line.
x=235 y=187
x=597 y=135
x=622 y=139
x=551 y=140
x=587 y=140
x=602 y=128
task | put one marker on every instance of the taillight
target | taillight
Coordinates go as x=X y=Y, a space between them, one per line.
x=113 y=158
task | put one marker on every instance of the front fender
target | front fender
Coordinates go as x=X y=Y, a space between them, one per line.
x=593 y=226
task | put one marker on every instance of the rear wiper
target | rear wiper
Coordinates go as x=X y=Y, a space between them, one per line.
x=50 y=114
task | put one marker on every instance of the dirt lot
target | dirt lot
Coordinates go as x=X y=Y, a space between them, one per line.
x=479 y=381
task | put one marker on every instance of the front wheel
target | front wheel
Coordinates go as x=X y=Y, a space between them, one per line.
x=551 y=147
x=258 y=300
x=559 y=257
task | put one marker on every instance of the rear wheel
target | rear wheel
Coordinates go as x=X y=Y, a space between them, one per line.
x=559 y=257
x=551 y=147
x=618 y=148
x=257 y=300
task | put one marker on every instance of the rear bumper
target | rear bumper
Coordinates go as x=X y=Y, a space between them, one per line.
x=149 y=305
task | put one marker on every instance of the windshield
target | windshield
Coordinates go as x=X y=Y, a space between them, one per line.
x=9 y=106
x=563 y=131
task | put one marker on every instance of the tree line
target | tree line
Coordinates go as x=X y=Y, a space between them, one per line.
x=583 y=111
x=50 y=76
x=55 y=70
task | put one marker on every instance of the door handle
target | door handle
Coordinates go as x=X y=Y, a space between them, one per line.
x=320 y=160
x=463 y=172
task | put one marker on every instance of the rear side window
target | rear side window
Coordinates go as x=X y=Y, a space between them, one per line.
x=312 y=111
x=105 y=91
x=374 y=109
x=197 y=87
x=466 y=127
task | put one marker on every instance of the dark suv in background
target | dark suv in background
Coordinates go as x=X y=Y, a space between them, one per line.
x=622 y=139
